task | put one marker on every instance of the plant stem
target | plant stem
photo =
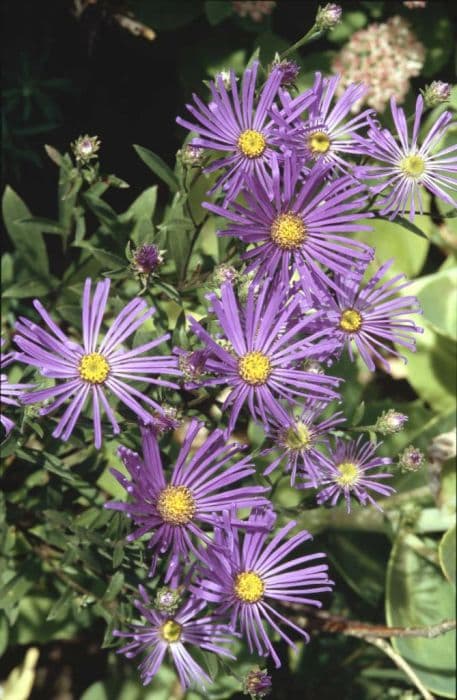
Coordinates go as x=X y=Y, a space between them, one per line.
x=309 y=36
x=402 y=664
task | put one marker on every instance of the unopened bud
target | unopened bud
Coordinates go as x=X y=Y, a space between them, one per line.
x=328 y=16
x=191 y=155
x=257 y=683
x=223 y=273
x=411 y=459
x=390 y=422
x=147 y=258
x=192 y=364
x=226 y=77
x=167 y=600
x=436 y=93
x=85 y=148
x=289 y=70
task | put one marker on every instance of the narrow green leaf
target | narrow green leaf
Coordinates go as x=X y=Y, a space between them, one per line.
x=158 y=166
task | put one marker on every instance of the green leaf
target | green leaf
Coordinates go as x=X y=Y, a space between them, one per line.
x=218 y=10
x=54 y=154
x=393 y=240
x=360 y=559
x=418 y=595
x=446 y=553
x=431 y=370
x=115 y=586
x=437 y=295
x=158 y=166
x=39 y=223
x=106 y=258
x=350 y=22
x=24 y=290
x=29 y=242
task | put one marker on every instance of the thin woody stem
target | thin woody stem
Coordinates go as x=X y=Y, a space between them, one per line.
x=403 y=665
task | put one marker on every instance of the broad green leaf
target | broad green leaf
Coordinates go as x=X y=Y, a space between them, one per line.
x=392 y=240
x=158 y=166
x=418 y=595
x=27 y=240
x=431 y=370
x=447 y=554
x=437 y=295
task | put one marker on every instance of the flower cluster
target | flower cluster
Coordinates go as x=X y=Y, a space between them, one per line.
x=384 y=57
x=254 y=9
x=295 y=199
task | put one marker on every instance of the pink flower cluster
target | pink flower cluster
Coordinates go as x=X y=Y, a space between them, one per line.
x=384 y=57
x=255 y=9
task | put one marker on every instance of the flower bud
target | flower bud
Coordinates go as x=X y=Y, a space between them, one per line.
x=226 y=78
x=191 y=155
x=411 y=459
x=390 y=422
x=257 y=683
x=436 y=93
x=85 y=148
x=192 y=364
x=167 y=600
x=147 y=258
x=289 y=70
x=328 y=16
x=223 y=273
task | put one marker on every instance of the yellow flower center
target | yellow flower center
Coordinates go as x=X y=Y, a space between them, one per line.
x=254 y=368
x=414 y=166
x=350 y=321
x=249 y=587
x=318 y=143
x=298 y=437
x=252 y=143
x=350 y=473
x=171 y=631
x=93 y=368
x=288 y=231
x=176 y=505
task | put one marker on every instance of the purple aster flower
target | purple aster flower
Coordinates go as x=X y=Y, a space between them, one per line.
x=173 y=633
x=325 y=134
x=233 y=123
x=200 y=486
x=299 y=440
x=408 y=167
x=373 y=316
x=9 y=393
x=300 y=226
x=349 y=474
x=252 y=575
x=95 y=369
x=260 y=353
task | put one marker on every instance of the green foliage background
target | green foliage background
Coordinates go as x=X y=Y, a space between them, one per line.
x=66 y=573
